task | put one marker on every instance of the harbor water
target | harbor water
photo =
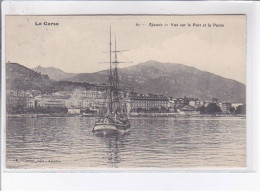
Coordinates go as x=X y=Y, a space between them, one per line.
x=159 y=142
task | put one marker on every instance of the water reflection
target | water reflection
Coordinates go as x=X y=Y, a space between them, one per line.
x=114 y=140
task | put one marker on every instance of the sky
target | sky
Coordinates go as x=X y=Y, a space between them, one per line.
x=80 y=44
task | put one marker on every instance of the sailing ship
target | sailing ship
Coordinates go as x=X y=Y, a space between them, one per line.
x=113 y=115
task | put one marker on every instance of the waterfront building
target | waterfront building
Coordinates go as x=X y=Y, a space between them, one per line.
x=46 y=101
x=15 y=101
x=179 y=101
x=171 y=110
x=82 y=102
x=171 y=102
x=127 y=103
x=236 y=104
x=85 y=102
x=80 y=98
x=206 y=103
x=30 y=102
x=12 y=101
x=74 y=111
x=148 y=103
x=225 y=107
x=201 y=103
x=187 y=110
x=195 y=102
x=98 y=103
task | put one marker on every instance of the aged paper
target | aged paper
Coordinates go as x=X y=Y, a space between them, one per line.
x=126 y=92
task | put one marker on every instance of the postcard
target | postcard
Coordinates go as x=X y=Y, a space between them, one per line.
x=135 y=92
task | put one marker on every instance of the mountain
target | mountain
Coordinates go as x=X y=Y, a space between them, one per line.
x=19 y=77
x=171 y=79
x=53 y=73
x=22 y=78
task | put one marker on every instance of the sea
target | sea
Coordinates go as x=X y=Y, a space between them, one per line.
x=68 y=143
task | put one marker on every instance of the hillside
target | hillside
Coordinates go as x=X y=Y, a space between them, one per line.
x=21 y=78
x=171 y=79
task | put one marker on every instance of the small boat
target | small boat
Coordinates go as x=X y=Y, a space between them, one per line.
x=113 y=116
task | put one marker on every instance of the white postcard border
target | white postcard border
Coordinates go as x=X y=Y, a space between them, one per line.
x=21 y=180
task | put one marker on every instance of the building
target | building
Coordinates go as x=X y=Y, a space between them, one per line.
x=236 y=104
x=74 y=111
x=50 y=101
x=178 y=102
x=206 y=103
x=98 y=103
x=148 y=103
x=15 y=103
x=61 y=94
x=81 y=102
x=188 y=110
x=81 y=98
x=225 y=107
x=81 y=93
x=12 y=101
x=194 y=102
x=85 y=102
x=32 y=93
x=30 y=102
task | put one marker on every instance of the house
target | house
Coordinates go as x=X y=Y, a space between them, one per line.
x=73 y=111
x=225 y=107
x=187 y=110
x=194 y=103
x=236 y=104
x=30 y=102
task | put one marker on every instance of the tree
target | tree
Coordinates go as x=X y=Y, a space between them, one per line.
x=163 y=109
x=139 y=110
x=202 y=109
x=241 y=109
x=232 y=110
x=213 y=108
x=214 y=100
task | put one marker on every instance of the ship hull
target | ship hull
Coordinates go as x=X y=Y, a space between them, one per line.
x=104 y=127
x=119 y=127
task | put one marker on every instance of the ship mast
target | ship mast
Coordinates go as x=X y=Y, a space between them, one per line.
x=110 y=53
x=116 y=69
x=113 y=80
x=116 y=82
x=110 y=79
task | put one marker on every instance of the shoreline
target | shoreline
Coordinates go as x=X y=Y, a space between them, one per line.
x=131 y=115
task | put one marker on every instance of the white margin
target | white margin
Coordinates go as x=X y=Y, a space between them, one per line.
x=159 y=180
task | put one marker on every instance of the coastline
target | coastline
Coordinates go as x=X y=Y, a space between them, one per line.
x=131 y=115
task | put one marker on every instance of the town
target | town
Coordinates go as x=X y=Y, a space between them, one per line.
x=90 y=101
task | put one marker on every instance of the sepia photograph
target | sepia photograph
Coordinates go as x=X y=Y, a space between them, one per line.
x=126 y=92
